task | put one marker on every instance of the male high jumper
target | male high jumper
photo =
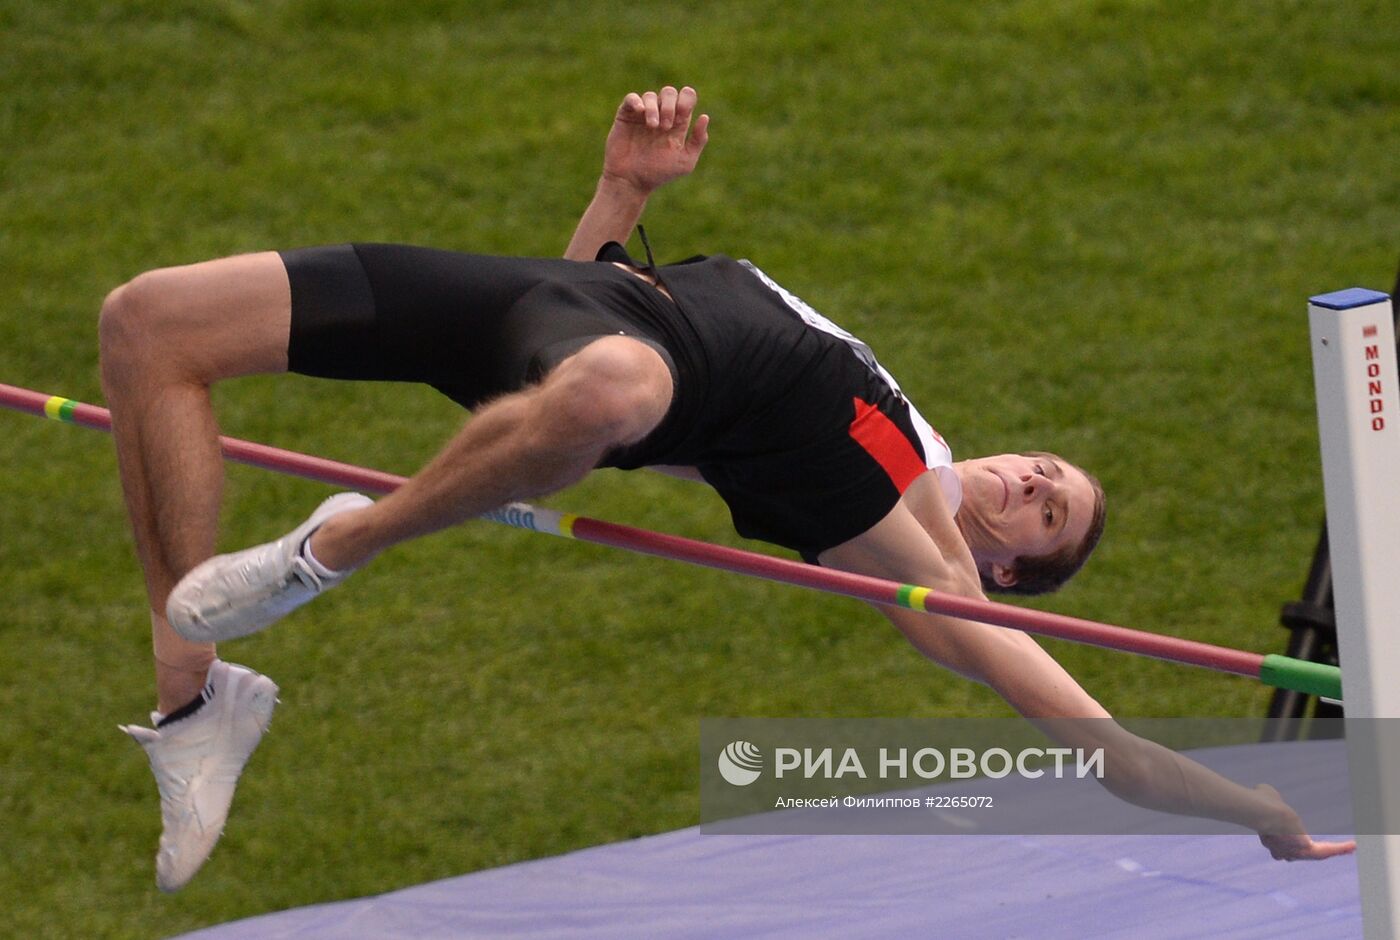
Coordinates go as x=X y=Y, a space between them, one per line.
x=707 y=369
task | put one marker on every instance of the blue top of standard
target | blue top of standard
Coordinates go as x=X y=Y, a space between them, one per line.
x=1346 y=299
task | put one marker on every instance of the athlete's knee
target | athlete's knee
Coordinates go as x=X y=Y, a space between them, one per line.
x=128 y=326
x=134 y=327
x=615 y=389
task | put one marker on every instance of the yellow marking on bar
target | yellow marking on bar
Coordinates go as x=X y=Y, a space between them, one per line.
x=52 y=407
x=566 y=524
x=916 y=597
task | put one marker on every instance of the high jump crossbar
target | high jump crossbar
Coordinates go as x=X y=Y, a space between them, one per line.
x=1279 y=671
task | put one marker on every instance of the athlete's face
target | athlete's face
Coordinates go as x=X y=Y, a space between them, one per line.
x=1022 y=504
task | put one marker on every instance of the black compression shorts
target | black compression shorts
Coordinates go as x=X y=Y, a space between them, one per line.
x=807 y=445
x=472 y=326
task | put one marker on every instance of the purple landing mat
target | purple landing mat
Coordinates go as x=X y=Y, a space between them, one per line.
x=686 y=884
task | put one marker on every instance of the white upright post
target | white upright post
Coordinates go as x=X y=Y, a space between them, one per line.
x=1358 y=413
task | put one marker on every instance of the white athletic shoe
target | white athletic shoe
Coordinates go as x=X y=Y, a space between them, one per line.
x=197 y=761
x=234 y=595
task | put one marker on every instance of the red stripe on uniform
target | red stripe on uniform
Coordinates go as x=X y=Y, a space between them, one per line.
x=883 y=440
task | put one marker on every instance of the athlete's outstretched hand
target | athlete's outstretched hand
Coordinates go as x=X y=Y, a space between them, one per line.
x=1289 y=843
x=652 y=140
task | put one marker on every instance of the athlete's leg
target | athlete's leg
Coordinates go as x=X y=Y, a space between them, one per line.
x=612 y=392
x=165 y=336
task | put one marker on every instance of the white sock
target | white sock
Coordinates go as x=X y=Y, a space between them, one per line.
x=321 y=570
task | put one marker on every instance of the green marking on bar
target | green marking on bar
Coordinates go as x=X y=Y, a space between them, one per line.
x=901 y=597
x=65 y=411
x=1283 y=672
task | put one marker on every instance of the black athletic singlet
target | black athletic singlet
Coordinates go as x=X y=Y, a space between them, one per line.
x=806 y=437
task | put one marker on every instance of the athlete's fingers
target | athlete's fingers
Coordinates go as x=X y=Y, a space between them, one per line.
x=653 y=116
x=685 y=102
x=631 y=107
x=1332 y=849
x=699 y=135
x=666 y=107
x=685 y=106
x=1299 y=847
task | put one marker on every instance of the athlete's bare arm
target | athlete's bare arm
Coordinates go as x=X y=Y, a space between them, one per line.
x=919 y=543
x=652 y=142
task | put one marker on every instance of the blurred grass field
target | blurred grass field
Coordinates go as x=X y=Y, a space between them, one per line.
x=1082 y=225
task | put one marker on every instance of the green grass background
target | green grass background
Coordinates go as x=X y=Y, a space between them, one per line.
x=1082 y=225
